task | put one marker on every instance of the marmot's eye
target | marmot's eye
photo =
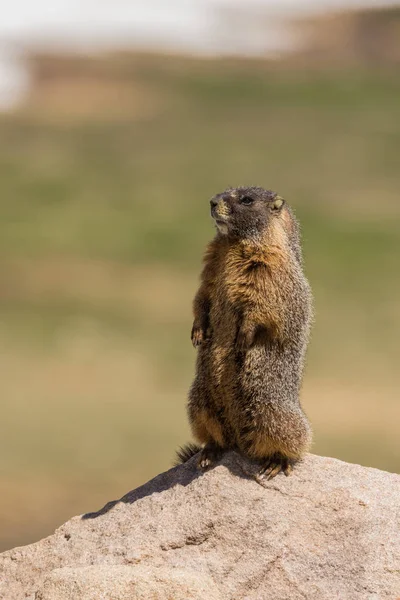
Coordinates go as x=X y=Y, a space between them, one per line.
x=246 y=200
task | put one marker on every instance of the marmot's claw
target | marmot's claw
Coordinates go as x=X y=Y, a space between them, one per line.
x=197 y=336
x=288 y=470
x=274 y=465
x=205 y=462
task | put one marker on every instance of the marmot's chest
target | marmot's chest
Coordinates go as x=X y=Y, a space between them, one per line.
x=231 y=286
x=238 y=275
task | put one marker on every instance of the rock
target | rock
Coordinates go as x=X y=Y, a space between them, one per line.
x=116 y=582
x=329 y=531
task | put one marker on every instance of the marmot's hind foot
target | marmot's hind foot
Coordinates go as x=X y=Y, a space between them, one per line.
x=272 y=466
x=209 y=456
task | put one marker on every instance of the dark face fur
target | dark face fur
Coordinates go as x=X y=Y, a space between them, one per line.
x=246 y=211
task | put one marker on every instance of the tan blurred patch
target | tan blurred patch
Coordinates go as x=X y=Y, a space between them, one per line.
x=83 y=99
x=155 y=290
x=352 y=409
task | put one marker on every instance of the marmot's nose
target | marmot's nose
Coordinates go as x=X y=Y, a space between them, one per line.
x=213 y=204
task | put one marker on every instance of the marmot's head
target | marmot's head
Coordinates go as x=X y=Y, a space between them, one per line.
x=246 y=212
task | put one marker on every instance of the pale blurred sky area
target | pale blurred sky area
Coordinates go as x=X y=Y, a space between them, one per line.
x=195 y=26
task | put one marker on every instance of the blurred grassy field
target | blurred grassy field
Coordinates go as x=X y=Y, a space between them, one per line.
x=103 y=221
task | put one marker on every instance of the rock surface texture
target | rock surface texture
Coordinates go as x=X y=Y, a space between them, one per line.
x=329 y=531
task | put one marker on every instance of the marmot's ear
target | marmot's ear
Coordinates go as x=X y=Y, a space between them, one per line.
x=277 y=204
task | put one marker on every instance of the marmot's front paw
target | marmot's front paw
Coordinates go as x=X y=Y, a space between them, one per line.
x=197 y=336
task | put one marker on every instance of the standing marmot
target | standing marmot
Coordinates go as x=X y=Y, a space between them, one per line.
x=252 y=318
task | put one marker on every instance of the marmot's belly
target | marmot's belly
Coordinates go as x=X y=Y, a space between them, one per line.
x=223 y=367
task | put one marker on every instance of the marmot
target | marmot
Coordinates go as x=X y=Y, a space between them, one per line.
x=252 y=316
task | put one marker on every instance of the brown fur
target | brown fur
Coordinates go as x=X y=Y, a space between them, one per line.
x=252 y=317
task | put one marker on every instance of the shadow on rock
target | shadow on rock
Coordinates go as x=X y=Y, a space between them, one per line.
x=181 y=475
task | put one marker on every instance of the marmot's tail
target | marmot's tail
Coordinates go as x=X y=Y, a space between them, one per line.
x=186 y=452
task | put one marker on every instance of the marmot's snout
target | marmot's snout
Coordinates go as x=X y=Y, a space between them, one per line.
x=220 y=209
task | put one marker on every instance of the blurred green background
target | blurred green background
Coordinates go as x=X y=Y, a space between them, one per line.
x=105 y=176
